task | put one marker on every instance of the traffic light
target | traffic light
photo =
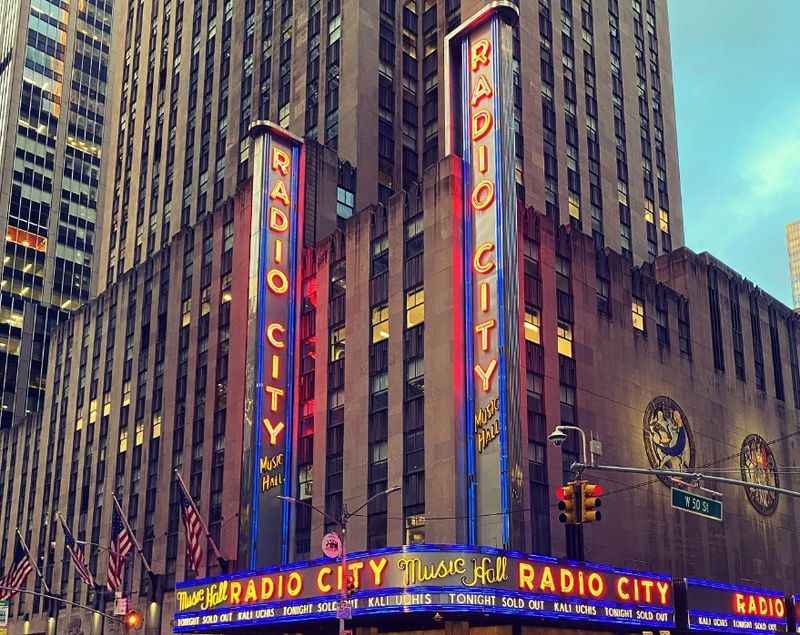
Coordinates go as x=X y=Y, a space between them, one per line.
x=133 y=620
x=568 y=505
x=590 y=501
x=351 y=584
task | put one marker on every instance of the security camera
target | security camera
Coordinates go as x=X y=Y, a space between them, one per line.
x=557 y=436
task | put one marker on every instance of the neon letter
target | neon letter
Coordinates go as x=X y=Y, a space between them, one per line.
x=480 y=54
x=273 y=430
x=484 y=296
x=274 y=394
x=281 y=161
x=275 y=366
x=323 y=586
x=486 y=375
x=596 y=584
x=482 y=89
x=622 y=593
x=271 y=334
x=277 y=281
x=663 y=591
x=294 y=584
x=526 y=575
x=483 y=159
x=279 y=193
x=278 y=251
x=377 y=570
x=485 y=329
x=278 y=220
x=482 y=121
x=477 y=259
x=482 y=195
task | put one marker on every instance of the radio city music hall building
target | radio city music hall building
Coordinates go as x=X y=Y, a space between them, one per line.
x=276 y=348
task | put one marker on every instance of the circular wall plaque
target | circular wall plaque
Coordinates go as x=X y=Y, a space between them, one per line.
x=758 y=466
x=668 y=439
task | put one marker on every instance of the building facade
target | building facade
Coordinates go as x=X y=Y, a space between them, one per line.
x=793 y=248
x=54 y=61
x=150 y=378
x=593 y=98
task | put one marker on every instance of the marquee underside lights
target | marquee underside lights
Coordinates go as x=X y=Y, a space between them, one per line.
x=276 y=224
x=427 y=579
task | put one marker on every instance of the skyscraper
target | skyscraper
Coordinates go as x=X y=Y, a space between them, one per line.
x=793 y=247
x=53 y=73
x=594 y=101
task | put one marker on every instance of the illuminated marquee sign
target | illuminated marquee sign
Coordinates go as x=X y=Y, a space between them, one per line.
x=276 y=224
x=430 y=578
x=480 y=110
x=712 y=606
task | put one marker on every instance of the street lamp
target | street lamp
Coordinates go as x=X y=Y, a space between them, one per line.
x=344 y=516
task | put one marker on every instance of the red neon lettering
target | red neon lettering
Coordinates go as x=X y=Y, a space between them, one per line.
x=273 y=430
x=482 y=195
x=482 y=90
x=278 y=221
x=477 y=259
x=485 y=330
x=280 y=193
x=277 y=281
x=281 y=161
x=272 y=338
x=482 y=121
x=486 y=375
x=480 y=54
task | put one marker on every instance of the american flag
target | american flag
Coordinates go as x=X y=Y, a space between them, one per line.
x=76 y=553
x=17 y=574
x=119 y=548
x=194 y=532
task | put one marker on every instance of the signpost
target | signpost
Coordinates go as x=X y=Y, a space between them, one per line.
x=694 y=504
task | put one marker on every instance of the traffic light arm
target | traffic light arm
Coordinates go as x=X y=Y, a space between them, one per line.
x=691 y=477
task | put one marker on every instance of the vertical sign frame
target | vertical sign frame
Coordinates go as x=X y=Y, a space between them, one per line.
x=479 y=128
x=276 y=228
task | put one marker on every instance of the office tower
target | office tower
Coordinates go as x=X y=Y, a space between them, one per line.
x=594 y=102
x=53 y=85
x=793 y=247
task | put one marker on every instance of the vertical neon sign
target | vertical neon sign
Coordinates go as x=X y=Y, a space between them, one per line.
x=480 y=111
x=276 y=225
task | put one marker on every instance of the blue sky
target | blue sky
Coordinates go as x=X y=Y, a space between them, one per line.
x=736 y=68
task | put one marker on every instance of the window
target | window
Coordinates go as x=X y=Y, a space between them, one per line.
x=415 y=307
x=337 y=344
x=533 y=325
x=564 y=339
x=637 y=314
x=603 y=305
x=380 y=323
x=662 y=325
x=305 y=479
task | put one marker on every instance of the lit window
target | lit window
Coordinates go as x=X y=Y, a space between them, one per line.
x=106 y=404
x=126 y=393
x=663 y=220
x=306 y=481
x=564 y=339
x=378 y=452
x=337 y=344
x=337 y=399
x=380 y=324
x=637 y=314
x=93 y=411
x=648 y=211
x=533 y=324
x=123 y=440
x=415 y=307
x=140 y=433
x=26 y=239
x=156 y=427
x=380 y=382
x=574 y=205
x=79 y=424
x=186 y=312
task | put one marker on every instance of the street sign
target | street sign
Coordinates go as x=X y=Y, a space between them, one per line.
x=120 y=606
x=332 y=545
x=694 y=504
x=4 y=612
x=344 y=611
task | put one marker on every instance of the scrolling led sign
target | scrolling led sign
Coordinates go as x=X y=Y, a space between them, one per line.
x=713 y=606
x=430 y=578
x=276 y=226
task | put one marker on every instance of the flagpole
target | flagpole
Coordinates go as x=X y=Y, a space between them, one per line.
x=222 y=562
x=32 y=561
x=132 y=535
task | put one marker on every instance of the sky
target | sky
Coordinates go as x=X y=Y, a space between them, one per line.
x=736 y=71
